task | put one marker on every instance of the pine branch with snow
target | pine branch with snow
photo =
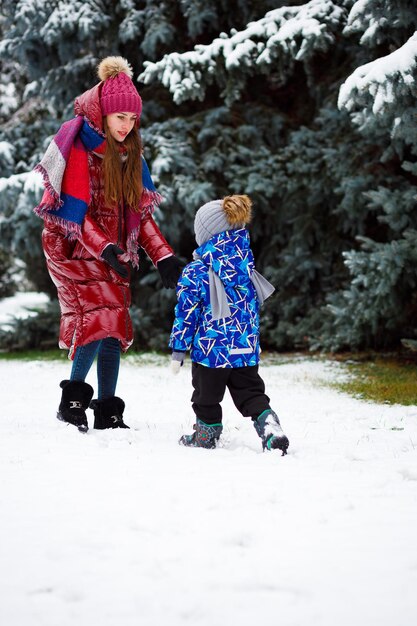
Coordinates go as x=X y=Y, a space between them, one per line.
x=270 y=45
x=384 y=87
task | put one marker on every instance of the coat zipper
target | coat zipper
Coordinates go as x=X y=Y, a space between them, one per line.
x=119 y=225
x=120 y=229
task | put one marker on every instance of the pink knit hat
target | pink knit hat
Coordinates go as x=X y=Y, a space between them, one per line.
x=118 y=92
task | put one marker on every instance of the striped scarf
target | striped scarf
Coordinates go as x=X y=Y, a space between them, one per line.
x=66 y=198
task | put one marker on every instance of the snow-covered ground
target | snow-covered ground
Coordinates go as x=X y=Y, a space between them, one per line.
x=127 y=527
x=20 y=306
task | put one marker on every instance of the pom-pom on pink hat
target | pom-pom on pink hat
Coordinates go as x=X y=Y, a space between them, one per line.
x=118 y=92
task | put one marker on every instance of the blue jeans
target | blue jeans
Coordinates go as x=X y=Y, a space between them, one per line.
x=107 y=352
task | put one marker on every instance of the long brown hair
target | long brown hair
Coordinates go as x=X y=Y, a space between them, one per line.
x=123 y=180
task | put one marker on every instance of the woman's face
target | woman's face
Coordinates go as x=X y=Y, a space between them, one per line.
x=120 y=124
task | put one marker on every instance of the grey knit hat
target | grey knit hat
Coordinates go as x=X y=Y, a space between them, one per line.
x=210 y=220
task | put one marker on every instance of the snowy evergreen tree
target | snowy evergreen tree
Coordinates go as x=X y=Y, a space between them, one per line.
x=335 y=194
x=309 y=107
x=380 y=304
x=48 y=55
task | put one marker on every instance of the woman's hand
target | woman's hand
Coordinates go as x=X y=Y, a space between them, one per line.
x=110 y=254
x=170 y=270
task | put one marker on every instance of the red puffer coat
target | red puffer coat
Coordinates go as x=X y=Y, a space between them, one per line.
x=94 y=299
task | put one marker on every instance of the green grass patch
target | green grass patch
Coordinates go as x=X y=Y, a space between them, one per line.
x=387 y=379
x=137 y=358
x=34 y=355
x=384 y=380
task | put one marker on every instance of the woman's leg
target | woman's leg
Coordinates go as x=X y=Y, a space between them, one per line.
x=83 y=360
x=76 y=393
x=108 y=364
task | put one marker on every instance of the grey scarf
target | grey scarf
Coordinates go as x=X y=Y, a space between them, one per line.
x=218 y=298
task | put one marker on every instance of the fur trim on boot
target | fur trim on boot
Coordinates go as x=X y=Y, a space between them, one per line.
x=76 y=397
x=108 y=413
x=205 y=435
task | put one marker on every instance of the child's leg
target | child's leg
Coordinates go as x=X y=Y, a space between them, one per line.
x=248 y=391
x=209 y=387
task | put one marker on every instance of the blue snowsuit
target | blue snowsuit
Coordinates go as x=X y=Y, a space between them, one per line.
x=232 y=341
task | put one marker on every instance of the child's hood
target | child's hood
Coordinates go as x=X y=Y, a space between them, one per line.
x=229 y=255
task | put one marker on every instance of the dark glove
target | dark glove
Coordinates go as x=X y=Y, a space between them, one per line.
x=170 y=270
x=110 y=254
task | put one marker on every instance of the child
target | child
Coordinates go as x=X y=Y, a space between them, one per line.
x=97 y=211
x=217 y=317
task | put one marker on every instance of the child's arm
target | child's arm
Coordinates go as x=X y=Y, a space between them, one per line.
x=187 y=310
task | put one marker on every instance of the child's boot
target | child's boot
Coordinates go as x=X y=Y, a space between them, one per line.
x=108 y=413
x=76 y=396
x=269 y=429
x=205 y=435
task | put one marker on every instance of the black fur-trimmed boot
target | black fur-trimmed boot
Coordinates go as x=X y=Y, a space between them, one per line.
x=76 y=397
x=108 y=413
x=269 y=429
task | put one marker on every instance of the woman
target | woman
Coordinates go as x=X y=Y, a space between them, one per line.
x=97 y=210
